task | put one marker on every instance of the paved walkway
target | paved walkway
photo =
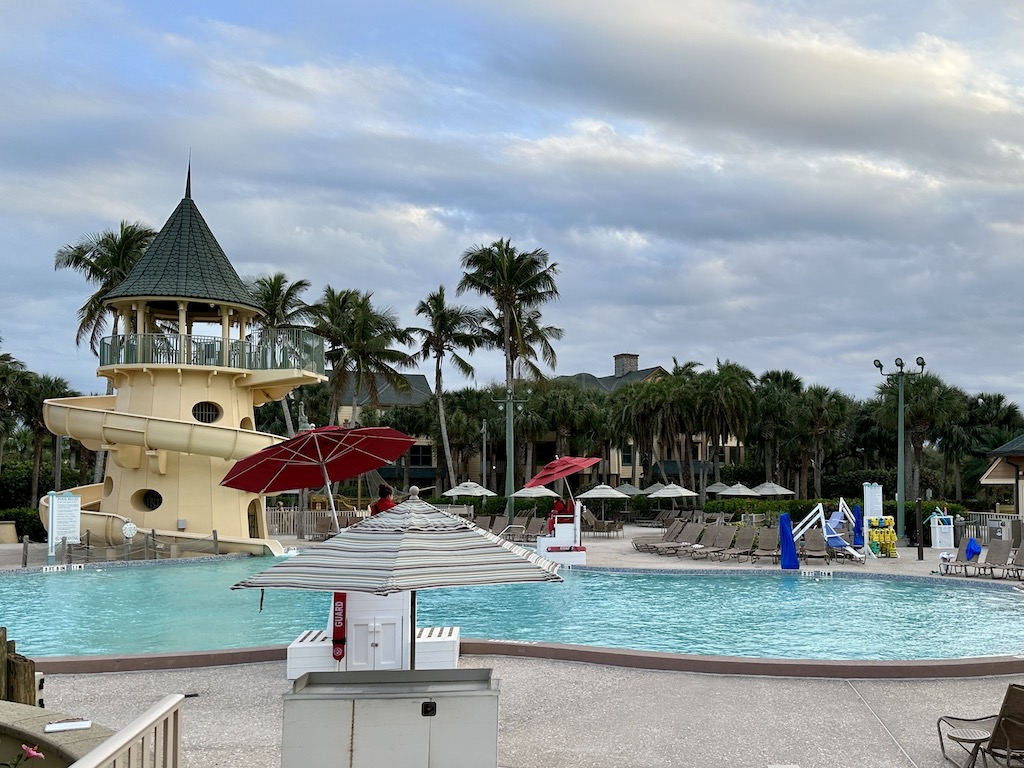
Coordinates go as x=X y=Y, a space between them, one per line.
x=564 y=714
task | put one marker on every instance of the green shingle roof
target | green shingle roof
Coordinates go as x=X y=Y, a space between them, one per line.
x=612 y=383
x=1013 y=448
x=185 y=261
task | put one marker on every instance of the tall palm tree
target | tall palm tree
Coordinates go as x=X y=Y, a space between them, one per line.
x=725 y=403
x=12 y=379
x=38 y=388
x=517 y=282
x=775 y=398
x=450 y=329
x=828 y=411
x=104 y=260
x=361 y=340
x=283 y=307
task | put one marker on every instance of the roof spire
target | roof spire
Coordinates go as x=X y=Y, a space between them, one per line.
x=188 y=178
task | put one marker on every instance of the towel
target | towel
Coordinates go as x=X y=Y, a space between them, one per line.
x=973 y=549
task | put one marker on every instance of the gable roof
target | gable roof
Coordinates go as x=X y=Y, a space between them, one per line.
x=389 y=397
x=185 y=261
x=1014 y=447
x=612 y=383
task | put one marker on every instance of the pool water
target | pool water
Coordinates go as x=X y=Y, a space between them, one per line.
x=190 y=607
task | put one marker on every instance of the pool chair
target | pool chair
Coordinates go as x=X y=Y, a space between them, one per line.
x=718 y=543
x=962 y=562
x=815 y=547
x=704 y=536
x=1016 y=566
x=534 y=528
x=322 y=529
x=767 y=545
x=997 y=556
x=592 y=525
x=743 y=547
x=644 y=543
x=689 y=534
x=483 y=522
x=1000 y=736
x=658 y=521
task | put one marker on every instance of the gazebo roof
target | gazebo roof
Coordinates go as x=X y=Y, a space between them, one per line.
x=185 y=261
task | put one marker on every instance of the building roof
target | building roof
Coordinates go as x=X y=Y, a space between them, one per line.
x=389 y=397
x=1013 y=448
x=185 y=261
x=612 y=383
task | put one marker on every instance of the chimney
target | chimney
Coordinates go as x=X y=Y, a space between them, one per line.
x=626 y=362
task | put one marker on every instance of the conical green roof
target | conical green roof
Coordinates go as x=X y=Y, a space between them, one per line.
x=185 y=261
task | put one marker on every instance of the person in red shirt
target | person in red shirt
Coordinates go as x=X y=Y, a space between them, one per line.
x=385 y=502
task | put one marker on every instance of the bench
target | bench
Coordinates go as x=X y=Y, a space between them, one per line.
x=436 y=648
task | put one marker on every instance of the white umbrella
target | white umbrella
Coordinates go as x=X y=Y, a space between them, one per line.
x=629 y=489
x=773 y=489
x=468 y=488
x=738 y=490
x=672 y=491
x=602 y=492
x=717 y=488
x=652 y=488
x=535 y=492
x=409 y=547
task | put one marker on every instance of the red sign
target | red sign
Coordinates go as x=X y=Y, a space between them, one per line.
x=338 y=625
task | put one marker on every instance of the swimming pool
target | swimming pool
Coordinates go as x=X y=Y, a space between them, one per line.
x=173 y=607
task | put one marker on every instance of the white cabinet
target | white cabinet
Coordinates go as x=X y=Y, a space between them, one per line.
x=375 y=642
x=401 y=719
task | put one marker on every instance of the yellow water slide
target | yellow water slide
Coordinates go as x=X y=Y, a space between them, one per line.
x=132 y=439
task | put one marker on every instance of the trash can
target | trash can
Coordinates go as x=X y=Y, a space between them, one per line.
x=942 y=532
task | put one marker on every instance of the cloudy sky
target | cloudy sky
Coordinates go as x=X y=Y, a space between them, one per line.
x=789 y=184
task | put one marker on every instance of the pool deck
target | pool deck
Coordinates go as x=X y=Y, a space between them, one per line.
x=566 y=714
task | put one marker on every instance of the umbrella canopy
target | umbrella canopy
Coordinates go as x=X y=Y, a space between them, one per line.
x=738 y=490
x=409 y=547
x=602 y=492
x=717 y=488
x=629 y=489
x=468 y=488
x=559 y=468
x=788 y=558
x=317 y=457
x=652 y=488
x=671 y=491
x=535 y=492
x=773 y=489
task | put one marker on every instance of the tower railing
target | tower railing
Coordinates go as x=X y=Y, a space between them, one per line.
x=263 y=350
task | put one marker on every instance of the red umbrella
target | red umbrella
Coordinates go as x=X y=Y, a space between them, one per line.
x=318 y=457
x=559 y=468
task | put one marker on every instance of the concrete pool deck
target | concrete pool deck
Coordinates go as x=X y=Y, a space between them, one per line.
x=564 y=714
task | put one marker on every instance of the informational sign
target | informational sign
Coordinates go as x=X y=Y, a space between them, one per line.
x=66 y=511
x=872 y=500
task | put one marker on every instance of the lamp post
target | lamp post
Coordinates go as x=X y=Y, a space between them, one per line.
x=509 y=405
x=900 y=374
x=483 y=454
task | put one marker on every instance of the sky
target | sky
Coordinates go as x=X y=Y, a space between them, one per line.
x=797 y=184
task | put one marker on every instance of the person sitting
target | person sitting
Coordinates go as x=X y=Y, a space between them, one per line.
x=384 y=502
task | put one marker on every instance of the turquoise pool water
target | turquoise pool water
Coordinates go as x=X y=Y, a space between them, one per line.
x=187 y=607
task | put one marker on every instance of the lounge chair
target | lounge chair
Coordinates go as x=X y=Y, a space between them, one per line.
x=483 y=522
x=767 y=544
x=720 y=542
x=642 y=543
x=1000 y=736
x=962 y=561
x=534 y=528
x=592 y=525
x=997 y=556
x=815 y=547
x=658 y=521
x=702 y=537
x=742 y=548
x=1016 y=565
x=322 y=529
x=688 y=534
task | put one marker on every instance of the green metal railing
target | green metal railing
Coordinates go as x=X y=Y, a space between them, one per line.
x=263 y=350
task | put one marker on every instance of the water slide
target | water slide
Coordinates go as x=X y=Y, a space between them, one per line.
x=93 y=421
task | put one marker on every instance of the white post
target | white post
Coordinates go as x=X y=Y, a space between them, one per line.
x=51 y=557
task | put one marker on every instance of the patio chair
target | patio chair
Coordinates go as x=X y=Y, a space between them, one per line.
x=657 y=521
x=321 y=529
x=815 y=547
x=592 y=525
x=642 y=543
x=999 y=736
x=742 y=548
x=687 y=535
x=767 y=545
x=997 y=556
x=962 y=561
x=703 y=536
x=1016 y=565
x=534 y=528
x=483 y=522
x=720 y=542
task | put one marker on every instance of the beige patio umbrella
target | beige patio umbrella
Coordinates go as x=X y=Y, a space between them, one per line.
x=739 y=490
x=535 y=492
x=773 y=489
x=602 y=492
x=468 y=488
x=410 y=547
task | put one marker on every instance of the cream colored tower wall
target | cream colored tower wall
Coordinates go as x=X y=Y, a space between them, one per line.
x=188 y=484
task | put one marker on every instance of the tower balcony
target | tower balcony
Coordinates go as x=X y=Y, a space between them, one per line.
x=267 y=349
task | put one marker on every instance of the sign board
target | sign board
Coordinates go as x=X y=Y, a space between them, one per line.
x=64 y=521
x=872 y=500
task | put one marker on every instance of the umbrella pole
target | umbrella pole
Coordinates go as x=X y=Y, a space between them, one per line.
x=412 y=630
x=330 y=499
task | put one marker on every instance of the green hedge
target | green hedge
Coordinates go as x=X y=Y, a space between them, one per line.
x=26 y=521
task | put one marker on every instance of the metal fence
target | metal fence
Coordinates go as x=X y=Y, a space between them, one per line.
x=145 y=545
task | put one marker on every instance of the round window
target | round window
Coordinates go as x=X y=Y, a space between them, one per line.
x=206 y=412
x=147 y=500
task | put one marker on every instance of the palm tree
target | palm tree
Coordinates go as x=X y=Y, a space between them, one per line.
x=283 y=307
x=104 y=260
x=725 y=403
x=361 y=341
x=827 y=411
x=451 y=328
x=775 y=399
x=12 y=379
x=37 y=389
x=517 y=282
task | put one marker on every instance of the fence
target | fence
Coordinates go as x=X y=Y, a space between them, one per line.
x=287 y=521
x=152 y=740
x=146 y=545
x=986 y=527
x=17 y=673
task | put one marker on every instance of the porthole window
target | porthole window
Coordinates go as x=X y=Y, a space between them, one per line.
x=206 y=412
x=147 y=500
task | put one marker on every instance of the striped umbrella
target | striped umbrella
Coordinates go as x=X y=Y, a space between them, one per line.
x=409 y=547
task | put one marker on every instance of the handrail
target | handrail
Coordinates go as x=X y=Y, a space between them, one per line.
x=151 y=739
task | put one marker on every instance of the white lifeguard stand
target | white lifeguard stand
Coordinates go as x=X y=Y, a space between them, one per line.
x=564 y=544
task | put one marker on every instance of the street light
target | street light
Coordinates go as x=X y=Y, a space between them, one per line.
x=901 y=452
x=510 y=405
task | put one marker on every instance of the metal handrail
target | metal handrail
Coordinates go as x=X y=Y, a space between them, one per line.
x=151 y=739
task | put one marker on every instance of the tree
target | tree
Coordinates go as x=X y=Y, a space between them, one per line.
x=39 y=388
x=725 y=402
x=517 y=282
x=450 y=329
x=12 y=379
x=104 y=260
x=283 y=307
x=827 y=411
x=775 y=401
x=361 y=340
